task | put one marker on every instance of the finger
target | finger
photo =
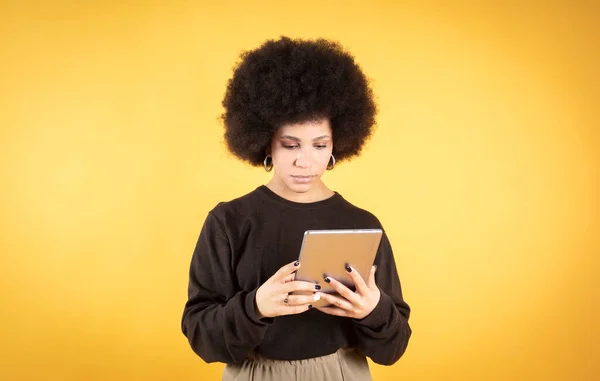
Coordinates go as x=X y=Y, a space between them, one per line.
x=334 y=311
x=371 y=282
x=293 y=310
x=336 y=301
x=298 y=300
x=342 y=290
x=300 y=285
x=357 y=279
x=285 y=271
x=289 y=278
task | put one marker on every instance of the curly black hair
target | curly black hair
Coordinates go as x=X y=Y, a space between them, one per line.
x=294 y=81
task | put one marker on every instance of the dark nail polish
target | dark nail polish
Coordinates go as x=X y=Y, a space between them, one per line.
x=317 y=287
x=309 y=306
x=348 y=268
x=296 y=263
x=327 y=280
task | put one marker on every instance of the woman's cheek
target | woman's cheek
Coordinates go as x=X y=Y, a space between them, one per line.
x=318 y=157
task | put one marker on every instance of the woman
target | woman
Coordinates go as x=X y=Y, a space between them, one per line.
x=296 y=107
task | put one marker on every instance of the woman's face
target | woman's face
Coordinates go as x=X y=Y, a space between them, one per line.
x=301 y=153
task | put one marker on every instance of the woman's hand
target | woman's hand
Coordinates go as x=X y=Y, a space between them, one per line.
x=352 y=304
x=273 y=299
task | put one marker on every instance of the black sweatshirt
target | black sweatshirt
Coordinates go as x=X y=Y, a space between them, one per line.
x=242 y=244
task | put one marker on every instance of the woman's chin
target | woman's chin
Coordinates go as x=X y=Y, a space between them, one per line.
x=300 y=188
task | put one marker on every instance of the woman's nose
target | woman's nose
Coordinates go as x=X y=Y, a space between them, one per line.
x=303 y=160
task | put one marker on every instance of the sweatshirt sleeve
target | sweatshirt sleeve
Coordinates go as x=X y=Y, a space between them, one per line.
x=383 y=335
x=219 y=319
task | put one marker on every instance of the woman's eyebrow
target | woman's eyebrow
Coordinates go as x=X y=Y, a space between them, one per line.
x=298 y=140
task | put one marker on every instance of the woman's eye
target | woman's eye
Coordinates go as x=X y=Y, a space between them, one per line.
x=286 y=146
x=321 y=146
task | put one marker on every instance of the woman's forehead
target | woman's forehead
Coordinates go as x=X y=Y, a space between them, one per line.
x=305 y=130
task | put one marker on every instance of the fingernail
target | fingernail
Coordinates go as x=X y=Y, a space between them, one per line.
x=327 y=280
x=296 y=263
x=348 y=268
x=375 y=267
x=309 y=306
x=317 y=287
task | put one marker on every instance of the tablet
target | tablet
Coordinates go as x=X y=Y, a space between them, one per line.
x=326 y=252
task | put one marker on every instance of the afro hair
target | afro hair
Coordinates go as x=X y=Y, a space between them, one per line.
x=294 y=81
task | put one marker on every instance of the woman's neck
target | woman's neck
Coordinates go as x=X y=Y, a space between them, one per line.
x=316 y=193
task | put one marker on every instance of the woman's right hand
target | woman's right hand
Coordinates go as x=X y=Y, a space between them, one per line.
x=273 y=299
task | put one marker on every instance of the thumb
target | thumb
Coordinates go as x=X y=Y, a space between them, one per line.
x=283 y=274
x=371 y=281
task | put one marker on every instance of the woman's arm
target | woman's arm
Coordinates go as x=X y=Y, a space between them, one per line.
x=384 y=334
x=219 y=320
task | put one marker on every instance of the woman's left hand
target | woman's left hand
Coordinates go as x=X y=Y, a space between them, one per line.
x=353 y=304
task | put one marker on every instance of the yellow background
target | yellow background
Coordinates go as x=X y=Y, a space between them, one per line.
x=484 y=170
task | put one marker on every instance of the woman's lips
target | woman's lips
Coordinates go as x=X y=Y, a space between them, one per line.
x=303 y=179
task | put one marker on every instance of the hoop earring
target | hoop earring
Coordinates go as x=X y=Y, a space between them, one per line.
x=332 y=165
x=268 y=165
